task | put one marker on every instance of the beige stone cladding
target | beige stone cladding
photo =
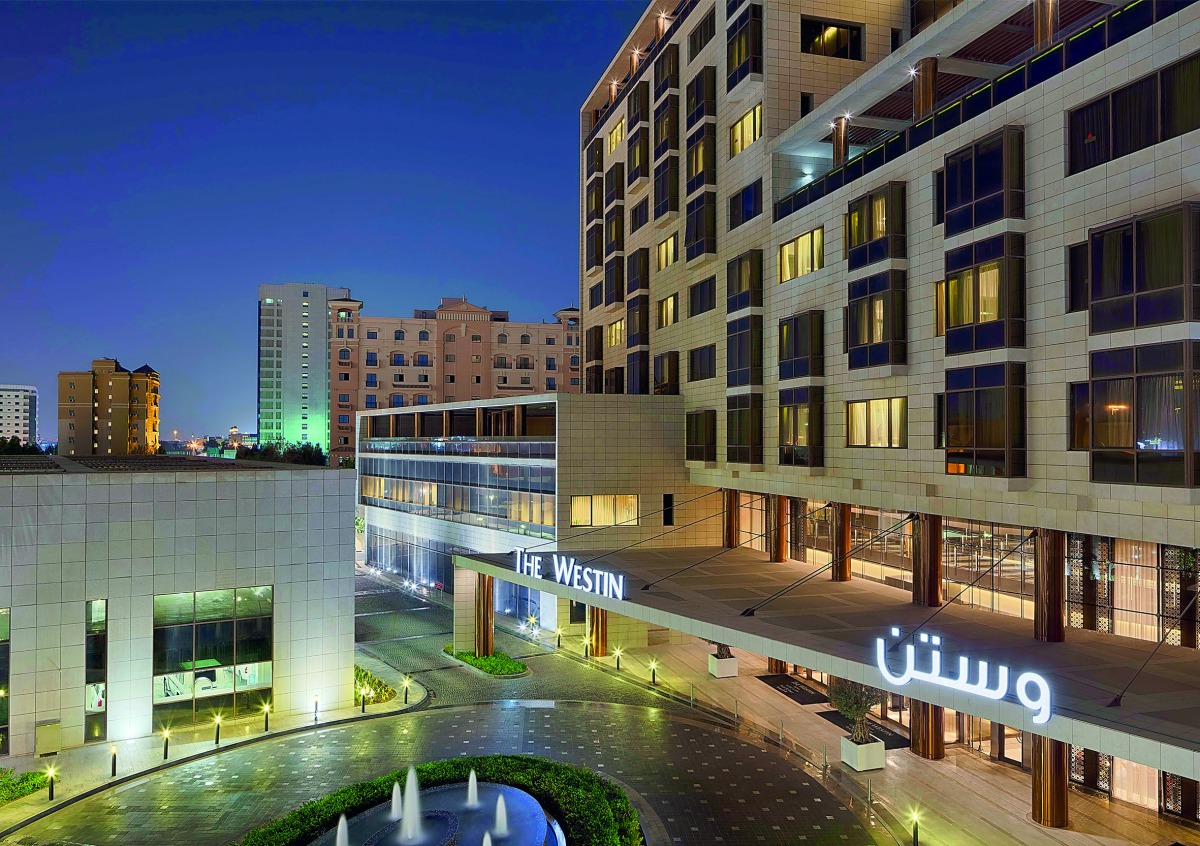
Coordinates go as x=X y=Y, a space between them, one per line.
x=125 y=537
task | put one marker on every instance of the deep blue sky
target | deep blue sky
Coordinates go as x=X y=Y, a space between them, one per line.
x=159 y=161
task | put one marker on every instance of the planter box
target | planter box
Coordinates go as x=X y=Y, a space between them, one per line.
x=862 y=757
x=722 y=668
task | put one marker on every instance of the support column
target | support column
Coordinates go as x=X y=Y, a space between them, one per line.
x=1049 y=577
x=1045 y=22
x=924 y=87
x=779 y=538
x=733 y=520
x=927 y=560
x=776 y=667
x=485 y=615
x=927 y=730
x=466 y=586
x=841 y=140
x=479 y=421
x=841 y=541
x=445 y=424
x=1050 y=776
x=518 y=421
x=597 y=628
x=417 y=424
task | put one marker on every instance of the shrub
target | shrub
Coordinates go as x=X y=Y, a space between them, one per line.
x=496 y=664
x=592 y=811
x=15 y=786
x=854 y=701
x=382 y=691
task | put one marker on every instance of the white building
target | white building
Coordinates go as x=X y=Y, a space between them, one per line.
x=18 y=413
x=293 y=362
x=149 y=592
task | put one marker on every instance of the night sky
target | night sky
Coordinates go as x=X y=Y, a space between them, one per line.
x=160 y=161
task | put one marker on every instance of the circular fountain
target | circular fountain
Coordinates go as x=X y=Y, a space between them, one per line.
x=463 y=815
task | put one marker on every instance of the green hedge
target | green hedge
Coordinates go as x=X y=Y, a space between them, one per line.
x=497 y=664
x=592 y=811
x=365 y=678
x=15 y=786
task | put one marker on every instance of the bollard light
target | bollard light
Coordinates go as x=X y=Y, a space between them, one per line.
x=166 y=743
x=653 y=671
x=362 y=697
x=217 y=730
x=316 y=699
x=617 y=655
x=114 y=762
x=267 y=717
x=407 y=682
x=558 y=632
x=916 y=840
x=50 y=781
x=587 y=645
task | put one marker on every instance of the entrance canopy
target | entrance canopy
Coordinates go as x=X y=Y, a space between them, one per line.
x=836 y=627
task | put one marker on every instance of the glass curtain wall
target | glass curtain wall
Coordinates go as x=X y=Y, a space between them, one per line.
x=4 y=669
x=213 y=654
x=753 y=520
x=987 y=565
x=886 y=559
x=95 y=690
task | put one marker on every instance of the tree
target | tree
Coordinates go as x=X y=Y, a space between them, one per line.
x=13 y=446
x=310 y=454
x=854 y=701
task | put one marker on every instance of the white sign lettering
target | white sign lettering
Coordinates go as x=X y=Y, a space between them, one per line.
x=1037 y=700
x=568 y=571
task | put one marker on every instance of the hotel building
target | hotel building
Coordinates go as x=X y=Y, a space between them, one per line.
x=899 y=296
x=108 y=410
x=153 y=592
x=18 y=413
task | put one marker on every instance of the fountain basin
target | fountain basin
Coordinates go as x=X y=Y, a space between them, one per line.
x=446 y=820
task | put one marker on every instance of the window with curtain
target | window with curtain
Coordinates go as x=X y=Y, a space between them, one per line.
x=802 y=255
x=877 y=423
x=982 y=420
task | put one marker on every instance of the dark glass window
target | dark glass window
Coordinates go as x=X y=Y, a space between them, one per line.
x=744 y=47
x=614 y=281
x=833 y=39
x=666 y=373
x=702 y=296
x=596 y=295
x=702 y=158
x=637 y=104
x=614 y=184
x=666 y=187
x=666 y=70
x=702 y=96
x=639 y=215
x=593 y=249
x=637 y=323
x=700 y=232
x=637 y=155
x=637 y=372
x=595 y=157
x=744 y=351
x=801 y=345
x=745 y=204
x=875 y=320
x=594 y=199
x=1180 y=92
x=1077 y=277
x=702 y=34
x=701 y=442
x=985 y=295
x=614 y=380
x=939 y=196
x=985 y=181
x=614 y=230
x=743 y=282
x=984 y=420
x=638 y=266
x=875 y=227
x=801 y=427
x=666 y=126
x=744 y=429
x=702 y=363
x=593 y=343
x=1081 y=416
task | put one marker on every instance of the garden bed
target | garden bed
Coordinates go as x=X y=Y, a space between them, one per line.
x=381 y=691
x=591 y=810
x=13 y=787
x=497 y=664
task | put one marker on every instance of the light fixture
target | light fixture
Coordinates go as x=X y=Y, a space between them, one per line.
x=912 y=71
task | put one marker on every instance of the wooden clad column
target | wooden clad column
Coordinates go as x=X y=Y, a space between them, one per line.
x=841 y=140
x=924 y=87
x=519 y=421
x=1045 y=22
x=417 y=424
x=479 y=421
x=733 y=520
x=597 y=625
x=779 y=537
x=927 y=560
x=445 y=423
x=841 y=541
x=776 y=667
x=485 y=615
x=1050 y=776
x=927 y=730
x=1049 y=578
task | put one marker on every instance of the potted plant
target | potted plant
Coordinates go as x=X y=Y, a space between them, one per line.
x=860 y=751
x=722 y=664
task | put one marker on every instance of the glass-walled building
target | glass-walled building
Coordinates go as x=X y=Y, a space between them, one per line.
x=190 y=585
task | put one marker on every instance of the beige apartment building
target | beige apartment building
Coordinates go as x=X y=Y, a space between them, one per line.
x=453 y=353
x=18 y=413
x=108 y=410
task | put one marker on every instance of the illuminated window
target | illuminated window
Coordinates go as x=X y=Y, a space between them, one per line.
x=668 y=311
x=616 y=135
x=877 y=423
x=616 y=333
x=666 y=252
x=745 y=131
x=604 y=510
x=802 y=255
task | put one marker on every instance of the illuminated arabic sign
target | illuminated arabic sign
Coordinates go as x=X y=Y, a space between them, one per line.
x=568 y=571
x=1032 y=690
